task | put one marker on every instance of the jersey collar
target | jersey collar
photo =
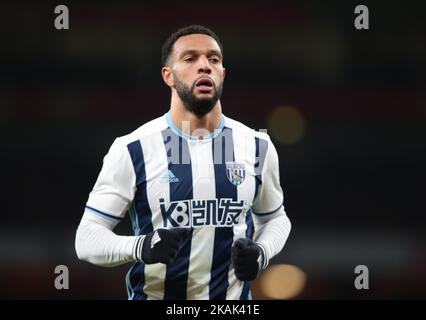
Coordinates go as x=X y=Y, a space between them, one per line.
x=185 y=136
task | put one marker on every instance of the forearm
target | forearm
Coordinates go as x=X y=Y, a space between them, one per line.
x=96 y=243
x=271 y=233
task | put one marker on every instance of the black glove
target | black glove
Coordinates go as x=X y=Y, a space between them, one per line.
x=246 y=257
x=161 y=245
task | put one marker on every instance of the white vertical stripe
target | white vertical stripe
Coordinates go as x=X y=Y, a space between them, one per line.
x=202 y=245
x=244 y=152
x=155 y=167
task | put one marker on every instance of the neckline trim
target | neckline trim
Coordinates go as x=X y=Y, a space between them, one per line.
x=185 y=136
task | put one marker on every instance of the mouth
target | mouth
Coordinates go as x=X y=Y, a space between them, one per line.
x=205 y=85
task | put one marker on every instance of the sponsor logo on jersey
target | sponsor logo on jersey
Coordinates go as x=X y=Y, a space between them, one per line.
x=169 y=177
x=222 y=212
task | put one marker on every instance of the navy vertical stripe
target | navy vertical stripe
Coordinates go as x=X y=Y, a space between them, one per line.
x=142 y=216
x=141 y=204
x=246 y=290
x=250 y=226
x=260 y=155
x=176 y=282
x=249 y=235
x=223 y=145
x=261 y=149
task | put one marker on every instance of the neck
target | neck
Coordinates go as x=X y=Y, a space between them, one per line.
x=191 y=124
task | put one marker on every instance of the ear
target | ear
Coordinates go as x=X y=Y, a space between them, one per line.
x=167 y=75
x=224 y=73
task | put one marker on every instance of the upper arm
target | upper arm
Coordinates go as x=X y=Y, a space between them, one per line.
x=269 y=196
x=115 y=186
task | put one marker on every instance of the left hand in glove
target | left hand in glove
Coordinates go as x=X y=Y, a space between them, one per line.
x=247 y=258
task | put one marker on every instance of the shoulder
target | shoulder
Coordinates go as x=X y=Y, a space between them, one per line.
x=144 y=131
x=243 y=129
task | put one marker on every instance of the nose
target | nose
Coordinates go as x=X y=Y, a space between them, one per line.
x=204 y=65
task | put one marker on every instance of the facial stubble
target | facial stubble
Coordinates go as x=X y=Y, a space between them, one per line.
x=197 y=106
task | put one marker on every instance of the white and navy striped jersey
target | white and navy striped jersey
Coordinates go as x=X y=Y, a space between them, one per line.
x=165 y=179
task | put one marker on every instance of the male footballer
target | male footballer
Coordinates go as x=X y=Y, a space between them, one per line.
x=202 y=190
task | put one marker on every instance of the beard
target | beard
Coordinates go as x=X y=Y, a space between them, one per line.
x=198 y=106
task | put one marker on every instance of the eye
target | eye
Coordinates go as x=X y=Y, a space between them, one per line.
x=214 y=60
x=189 y=59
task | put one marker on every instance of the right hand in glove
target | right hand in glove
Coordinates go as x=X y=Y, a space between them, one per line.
x=161 y=245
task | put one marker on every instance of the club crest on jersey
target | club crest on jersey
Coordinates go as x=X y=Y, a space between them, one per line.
x=236 y=172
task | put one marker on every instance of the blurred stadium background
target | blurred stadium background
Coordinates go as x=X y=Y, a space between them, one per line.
x=345 y=108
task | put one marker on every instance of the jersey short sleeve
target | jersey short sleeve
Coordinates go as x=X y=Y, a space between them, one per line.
x=115 y=187
x=269 y=197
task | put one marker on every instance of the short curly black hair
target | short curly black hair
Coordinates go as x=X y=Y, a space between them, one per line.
x=167 y=49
